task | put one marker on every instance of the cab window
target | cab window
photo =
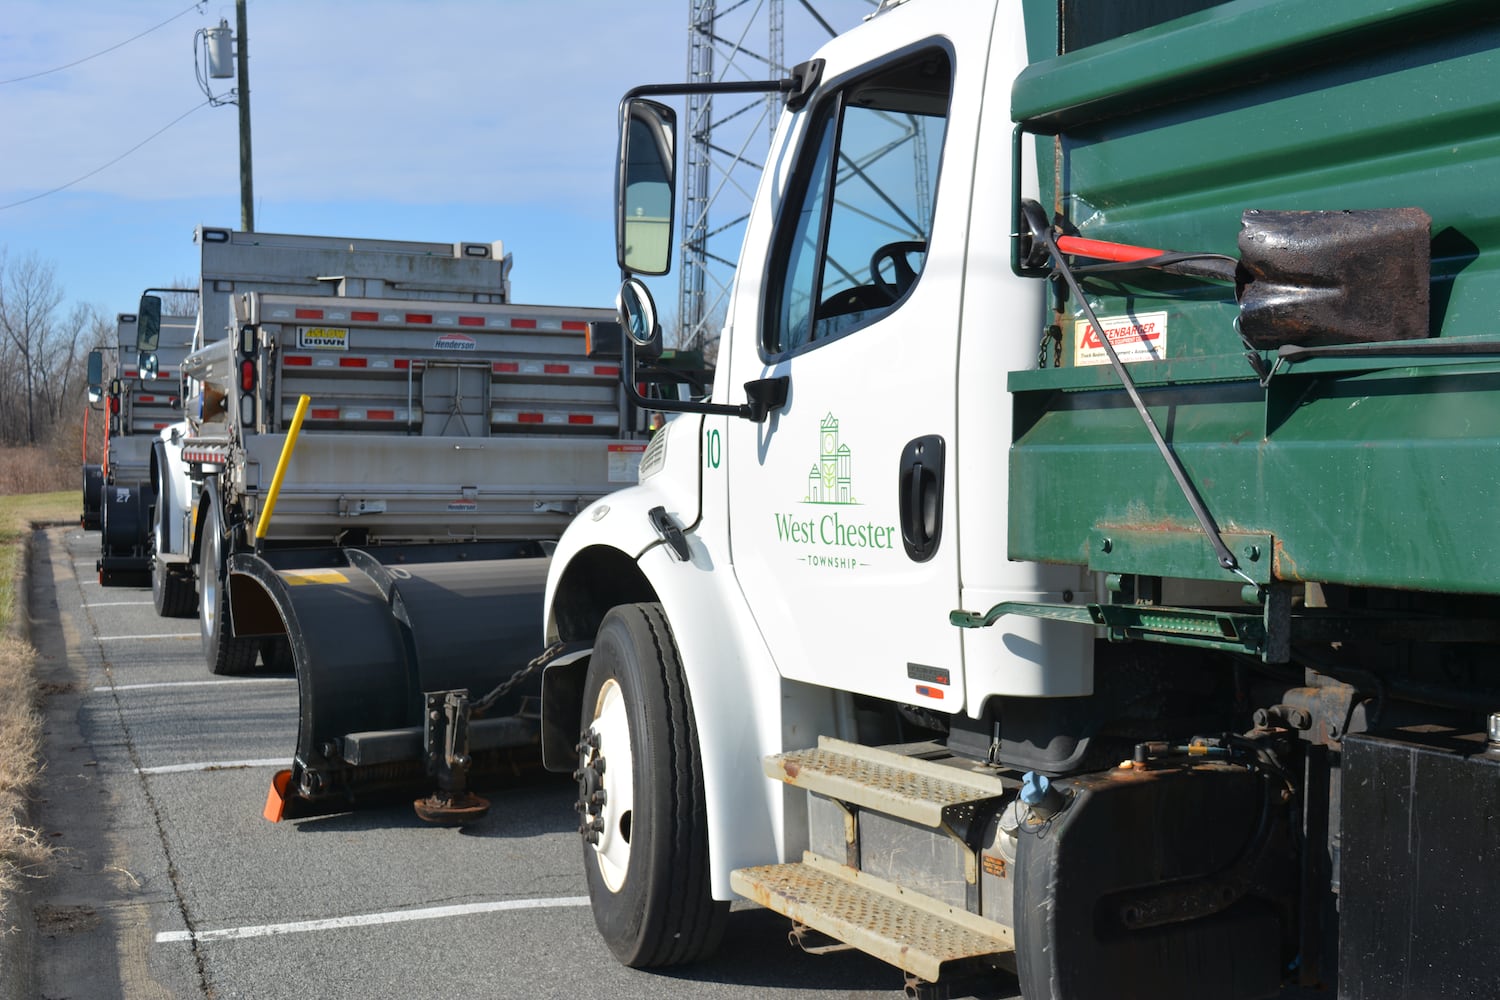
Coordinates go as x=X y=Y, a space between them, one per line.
x=853 y=236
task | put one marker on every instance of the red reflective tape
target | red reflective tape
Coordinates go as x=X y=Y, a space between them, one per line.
x=158 y=426
x=556 y=369
x=318 y=413
x=147 y=399
x=503 y=367
x=523 y=324
x=380 y=414
x=610 y=370
x=298 y=360
x=353 y=363
x=419 y=317
x=309 y=313
x=575 y=326
x=471 y=321
x=403 y=363
x=529 y=418
x=364 y=316
x=580 y=418
x=131 y=373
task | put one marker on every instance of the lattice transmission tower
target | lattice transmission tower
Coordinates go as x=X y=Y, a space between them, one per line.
x=726 y=138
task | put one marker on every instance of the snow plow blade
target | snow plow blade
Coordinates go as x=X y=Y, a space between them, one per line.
x=387 y=650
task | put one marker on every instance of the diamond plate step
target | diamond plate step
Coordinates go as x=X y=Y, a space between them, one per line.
x=887 y=782
x=912 y=932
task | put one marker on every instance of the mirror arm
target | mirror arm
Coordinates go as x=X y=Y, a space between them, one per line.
x=765 y=394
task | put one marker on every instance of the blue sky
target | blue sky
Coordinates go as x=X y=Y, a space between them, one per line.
x=403 y=119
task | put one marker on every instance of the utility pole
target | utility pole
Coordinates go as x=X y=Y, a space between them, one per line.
x=247 y=181
x=218 y=43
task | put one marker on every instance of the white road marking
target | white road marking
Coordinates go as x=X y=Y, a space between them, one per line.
x=369 y=919
x=121 y=604
x=188 y=684
x=214 y=765
x=162 y=635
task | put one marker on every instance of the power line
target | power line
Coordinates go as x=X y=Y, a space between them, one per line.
x=78 y=62
x=132 y=149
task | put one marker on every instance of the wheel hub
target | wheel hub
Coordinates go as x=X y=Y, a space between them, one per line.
x=605 y=790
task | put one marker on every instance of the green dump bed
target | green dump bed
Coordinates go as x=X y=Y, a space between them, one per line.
x=1158 y=124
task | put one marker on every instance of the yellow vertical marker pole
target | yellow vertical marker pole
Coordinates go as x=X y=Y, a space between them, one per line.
x=281 y=464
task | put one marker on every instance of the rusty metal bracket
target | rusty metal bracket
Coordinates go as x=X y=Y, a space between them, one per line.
x=445 y=742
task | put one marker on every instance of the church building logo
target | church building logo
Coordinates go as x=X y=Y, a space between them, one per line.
x=831 y=478
x=835 y=539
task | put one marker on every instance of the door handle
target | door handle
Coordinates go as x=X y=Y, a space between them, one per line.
x=920 y=491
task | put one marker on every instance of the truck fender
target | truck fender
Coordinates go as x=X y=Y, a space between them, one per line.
x=742 y=710
x=173 y=492
x=208 y=496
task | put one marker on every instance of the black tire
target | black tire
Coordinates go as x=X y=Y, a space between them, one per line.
x=172 y=591
x=226 y=655
x=93 y=491
x=652 y=901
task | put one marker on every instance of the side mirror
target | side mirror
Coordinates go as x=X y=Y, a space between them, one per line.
x=637 y=311
x=645 y=187
x=148 y=326
x=96 y=376
x=149 y=365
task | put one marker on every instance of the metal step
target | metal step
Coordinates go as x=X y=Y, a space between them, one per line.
x=910 y=931
x=886 y=782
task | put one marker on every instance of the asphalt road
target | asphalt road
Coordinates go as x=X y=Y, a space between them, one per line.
x=171 y=885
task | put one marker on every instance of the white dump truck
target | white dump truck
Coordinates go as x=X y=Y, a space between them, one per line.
x=1028 y=598
x=377 y=477
x=136 y=406
x=232 y=263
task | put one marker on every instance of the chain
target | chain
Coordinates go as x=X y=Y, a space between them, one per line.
x=1051 y=336
x=547 y=656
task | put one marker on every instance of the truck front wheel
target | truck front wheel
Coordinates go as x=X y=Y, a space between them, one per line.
x=640 y=781
x=225 y=654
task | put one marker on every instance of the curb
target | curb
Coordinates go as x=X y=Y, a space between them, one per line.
x=17 y=917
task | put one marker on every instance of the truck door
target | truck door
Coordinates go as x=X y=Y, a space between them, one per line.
x=842 y=520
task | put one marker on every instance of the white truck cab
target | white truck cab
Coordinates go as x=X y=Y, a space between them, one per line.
x=786 y=568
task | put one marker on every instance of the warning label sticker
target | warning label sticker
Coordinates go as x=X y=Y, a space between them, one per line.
x=322 y=338
x=1135 y=337
x=625 y=462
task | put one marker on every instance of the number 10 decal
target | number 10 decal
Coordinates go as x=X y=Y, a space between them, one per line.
x=713 y=448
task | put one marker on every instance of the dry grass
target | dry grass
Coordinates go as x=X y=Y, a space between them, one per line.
x=41 y=470
x=22 y=851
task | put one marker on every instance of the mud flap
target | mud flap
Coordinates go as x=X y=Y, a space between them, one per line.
x=369 y=637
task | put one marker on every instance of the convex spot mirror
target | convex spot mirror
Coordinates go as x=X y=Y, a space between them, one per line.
x=637 y=311
x=645 y=187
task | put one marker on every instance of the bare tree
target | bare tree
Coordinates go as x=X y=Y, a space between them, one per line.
x=29 y=297
x=63 y=354
x=180 y=303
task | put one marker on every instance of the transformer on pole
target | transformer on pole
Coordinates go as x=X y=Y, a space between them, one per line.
x=226 y=55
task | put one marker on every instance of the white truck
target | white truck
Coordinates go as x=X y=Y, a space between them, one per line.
x=233 y=263
x=375 y=479
x=1089 y=628
x=137 y=405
